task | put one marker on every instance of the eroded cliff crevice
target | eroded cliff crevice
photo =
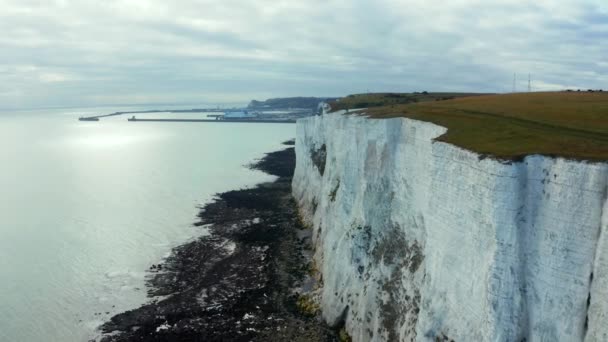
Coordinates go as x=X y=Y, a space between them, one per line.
x=318 y=157
x=418 y=239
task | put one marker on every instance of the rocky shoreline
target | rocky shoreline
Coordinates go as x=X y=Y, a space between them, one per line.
x=241 y=282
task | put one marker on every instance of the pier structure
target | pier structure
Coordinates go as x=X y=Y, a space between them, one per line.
x=134 y=119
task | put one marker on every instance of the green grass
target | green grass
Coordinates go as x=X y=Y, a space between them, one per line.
x=572 y=125
x=370 y=100
x=343 y=336
x=307 y=306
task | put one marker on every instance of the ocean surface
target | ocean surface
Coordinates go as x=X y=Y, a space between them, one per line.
x=87 y=207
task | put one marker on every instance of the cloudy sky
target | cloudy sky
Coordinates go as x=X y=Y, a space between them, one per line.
x=91 y=52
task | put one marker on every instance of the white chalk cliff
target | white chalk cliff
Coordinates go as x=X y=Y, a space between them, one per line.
x=422 y=240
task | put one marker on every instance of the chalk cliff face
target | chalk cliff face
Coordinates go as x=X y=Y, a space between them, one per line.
x=422 y=240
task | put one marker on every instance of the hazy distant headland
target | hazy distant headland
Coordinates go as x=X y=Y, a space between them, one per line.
x=286 y=109
x=281 y=103
x=289 y=102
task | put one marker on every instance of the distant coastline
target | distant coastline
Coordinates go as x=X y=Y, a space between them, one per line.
x=286 y=110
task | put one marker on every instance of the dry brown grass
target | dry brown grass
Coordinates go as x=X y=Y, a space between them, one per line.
x=369 y=100
x=568 y=124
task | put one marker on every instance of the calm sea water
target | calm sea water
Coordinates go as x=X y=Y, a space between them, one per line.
x=87 y=207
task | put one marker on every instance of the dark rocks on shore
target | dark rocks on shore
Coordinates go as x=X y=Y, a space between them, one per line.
x=236 y=284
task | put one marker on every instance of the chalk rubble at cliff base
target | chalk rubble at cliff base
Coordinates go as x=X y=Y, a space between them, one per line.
x=421 y=240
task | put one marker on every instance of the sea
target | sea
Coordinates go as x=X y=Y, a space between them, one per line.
x=87 y=207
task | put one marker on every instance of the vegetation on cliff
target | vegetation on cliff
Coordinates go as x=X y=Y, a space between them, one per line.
x=288 y=102
x=370 y=100
x=510 y=126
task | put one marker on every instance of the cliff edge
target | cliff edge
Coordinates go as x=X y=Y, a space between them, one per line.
x=420 y=240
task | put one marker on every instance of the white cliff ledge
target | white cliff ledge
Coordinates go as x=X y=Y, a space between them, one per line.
x=422 y=240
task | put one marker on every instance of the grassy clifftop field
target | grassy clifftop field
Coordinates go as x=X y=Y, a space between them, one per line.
x=509 y=126
x=390 y=99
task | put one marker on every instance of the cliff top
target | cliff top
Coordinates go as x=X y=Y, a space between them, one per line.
x=572 y=125
x=370 y=100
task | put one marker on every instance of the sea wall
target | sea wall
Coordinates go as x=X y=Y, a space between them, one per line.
x=421 y=240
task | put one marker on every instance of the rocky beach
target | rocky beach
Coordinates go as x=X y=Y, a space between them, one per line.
x=247 y=280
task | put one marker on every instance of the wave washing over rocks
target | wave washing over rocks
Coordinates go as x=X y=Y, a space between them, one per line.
x=240 y=282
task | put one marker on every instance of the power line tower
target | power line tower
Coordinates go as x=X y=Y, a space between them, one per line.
x=529 y=83
x=514 y=82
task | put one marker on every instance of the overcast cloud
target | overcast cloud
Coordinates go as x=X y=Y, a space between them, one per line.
x=72 y=53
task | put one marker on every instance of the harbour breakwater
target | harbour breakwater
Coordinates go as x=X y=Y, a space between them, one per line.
x=214 y=120
x=419 y=240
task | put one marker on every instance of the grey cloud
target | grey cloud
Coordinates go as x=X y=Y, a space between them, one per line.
x=97 y=53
